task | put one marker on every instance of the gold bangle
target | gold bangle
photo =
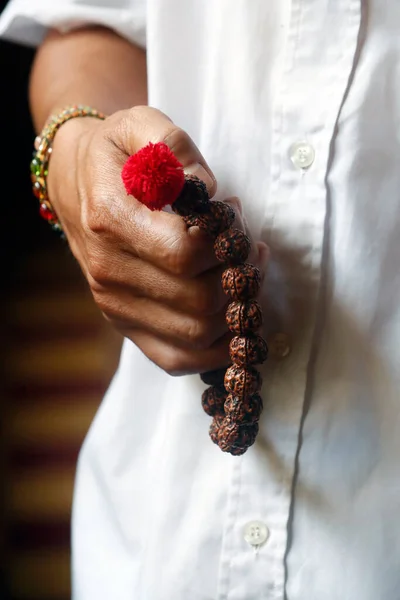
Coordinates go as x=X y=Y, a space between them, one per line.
x=42 y=154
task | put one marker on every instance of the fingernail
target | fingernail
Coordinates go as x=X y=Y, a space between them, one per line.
x=199 y=171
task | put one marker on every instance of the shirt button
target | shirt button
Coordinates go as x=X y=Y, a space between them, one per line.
x=279 y=345
x=256 y=533
x=302 y=155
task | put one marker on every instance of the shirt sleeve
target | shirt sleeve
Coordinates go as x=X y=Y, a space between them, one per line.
x=26 y=21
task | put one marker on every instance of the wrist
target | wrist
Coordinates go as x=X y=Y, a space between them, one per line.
x=68 y=152
x=69 y=138
x=67 y=141
x=41 y=160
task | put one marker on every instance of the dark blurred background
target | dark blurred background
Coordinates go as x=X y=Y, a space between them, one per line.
x=57 y=357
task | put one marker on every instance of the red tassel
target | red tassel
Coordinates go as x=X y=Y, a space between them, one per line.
x=154 y=176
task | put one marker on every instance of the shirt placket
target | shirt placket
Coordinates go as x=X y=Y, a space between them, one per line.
x=321 y=50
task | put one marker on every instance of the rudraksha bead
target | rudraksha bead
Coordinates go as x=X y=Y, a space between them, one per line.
x=218 y=219
x=228 y=432
x=239 y=451
x=213 y=400
x=232 y=246
x=215 y=427
x=215 y=377
x=235 y=438
x=156 y=178
x=193 y=198
x=242 y=381
x=243 y=410
x=241 y=282
x=247 y=437
x=251 y=350
x=243 y=318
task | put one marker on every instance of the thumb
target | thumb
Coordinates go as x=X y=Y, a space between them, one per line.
x=131 y=130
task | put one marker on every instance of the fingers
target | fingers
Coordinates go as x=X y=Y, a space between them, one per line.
x=156 y=280
x=174 y=249
x=164 y=240
x=140 y=125
x=201 y=295
x=176 y=361
x=193 y=332
x=160 y=238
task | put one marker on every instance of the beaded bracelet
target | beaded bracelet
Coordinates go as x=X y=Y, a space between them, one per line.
x=42 y=154
x=155 y=177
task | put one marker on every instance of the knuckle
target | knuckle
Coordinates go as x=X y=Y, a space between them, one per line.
x=143 y=121
x=96 y=287
x=138 y=112
x=108 y=307
x=173 y=365
x=124 y=121
x=103 y=303
x=176 y=365
x=178 y=259
x=200 y=334
x=99 y=293
x=98 y=272
x=95 y=219
x=115 y=322
x=178 y=141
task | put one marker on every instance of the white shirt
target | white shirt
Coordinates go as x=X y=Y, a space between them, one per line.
x=161 y=513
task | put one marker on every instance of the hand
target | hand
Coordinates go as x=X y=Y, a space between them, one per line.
x=156 y=281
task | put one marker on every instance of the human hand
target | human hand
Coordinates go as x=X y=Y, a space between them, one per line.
x=154 y=279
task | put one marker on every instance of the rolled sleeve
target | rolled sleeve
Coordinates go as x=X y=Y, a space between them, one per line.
x=26 y=21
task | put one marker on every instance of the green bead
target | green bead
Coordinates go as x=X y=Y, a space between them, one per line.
x=36 y=166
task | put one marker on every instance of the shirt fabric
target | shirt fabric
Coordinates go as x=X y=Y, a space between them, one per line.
x=160 y=513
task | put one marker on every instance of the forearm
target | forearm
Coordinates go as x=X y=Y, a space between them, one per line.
x=92 y=66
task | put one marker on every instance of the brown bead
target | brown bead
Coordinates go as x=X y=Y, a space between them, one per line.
x=241 y=282
x=249 y=350
x=214 y=428
x=212 y=401
x=243 y=318
x=235 y=438
x=243 y=410
x=242 y=381
x=232 y=246
x=229 y=433
x=215 y=377
x=193 y=198
x=237 y=450
x=248 y=434
x=218 y=219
